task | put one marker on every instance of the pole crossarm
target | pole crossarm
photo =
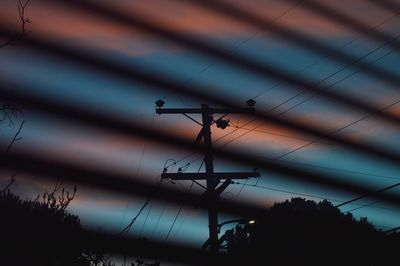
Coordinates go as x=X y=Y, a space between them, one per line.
x=212 y=179
x=200 y=110
x=205 y=176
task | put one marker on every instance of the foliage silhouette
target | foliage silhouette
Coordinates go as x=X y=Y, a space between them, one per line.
x=40 y=231
x=303 y=232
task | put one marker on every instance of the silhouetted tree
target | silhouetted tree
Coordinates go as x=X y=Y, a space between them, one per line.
x=10 y=113
x=303 y=232
x=40 y=231
x=22 y=31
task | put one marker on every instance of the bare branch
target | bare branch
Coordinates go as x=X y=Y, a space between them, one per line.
x=15 y=138
x=12 y=180
x=9 y=111
x=58 y=199
x=23 y=22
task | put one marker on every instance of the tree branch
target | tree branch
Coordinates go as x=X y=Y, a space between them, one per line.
x=24 y=21
x=12 y=180
x=15 y=138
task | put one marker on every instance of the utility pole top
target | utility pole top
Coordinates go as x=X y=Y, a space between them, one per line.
x=213 y=180
x=201 y=110
x=160 y=110
x=204 y=176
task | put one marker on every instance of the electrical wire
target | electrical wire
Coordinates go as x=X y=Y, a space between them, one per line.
x=175 y=219
x=363 y=206
x=129 y=226
x=126 y=230
x=309 y=195
x=147 y=217
x=158 y=220
x=264 y=69
x=366 y=195
x=284 y=191
x=340 y=170
x=336 y=131
x=330 y=86
x=387 y=5
x=181 y=207
x=305 y=145
x=237 y=46
x=341 y=18
x=238 y=13
x=137 y=172
x=298 y=72
x=145 y=132
x=341 y=128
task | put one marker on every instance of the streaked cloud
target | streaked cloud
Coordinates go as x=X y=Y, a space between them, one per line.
x=79 y=28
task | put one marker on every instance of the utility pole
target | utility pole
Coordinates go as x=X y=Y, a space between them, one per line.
x=213 y=179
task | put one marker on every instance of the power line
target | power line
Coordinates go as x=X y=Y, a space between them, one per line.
x=339 y=170
x=392 y=230
x=134 y=19
x=137 y=172
x=366 y=195
x=299 y=93
x=335 y=51
x=309 y=195
x=339 y=129
x=334 y=132
x=338 y=17
x=159 y=219
x=241 y=189
x=129 y=226
x=184 y=219
x=47 y=168
x=305 y=145
x=335 y=83
x=176 y=217
x=250 y=130
x=363 y=206
x=147 y=217
x=364 y=117
x=181 y=206
x=144 y=206
x=274 y=134
x=237 y=46
x=344 y=78
x=135 y=74
x=330 y=86
x=387 y=4
x=298 y=72
x=285 y=191
x=238 y=13
x=181 y=225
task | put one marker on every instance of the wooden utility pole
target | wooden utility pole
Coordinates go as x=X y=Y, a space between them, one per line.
x=213 y=179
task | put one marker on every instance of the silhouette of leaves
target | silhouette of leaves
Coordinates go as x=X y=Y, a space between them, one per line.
x=303 y=232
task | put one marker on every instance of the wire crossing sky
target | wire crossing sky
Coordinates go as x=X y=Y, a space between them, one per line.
x=329 y=70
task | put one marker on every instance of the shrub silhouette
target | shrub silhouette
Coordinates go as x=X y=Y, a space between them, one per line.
x=40 y=231
x=303 y=232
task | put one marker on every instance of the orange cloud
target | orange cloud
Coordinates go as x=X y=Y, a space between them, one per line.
x=264 y=138
x=69 y=25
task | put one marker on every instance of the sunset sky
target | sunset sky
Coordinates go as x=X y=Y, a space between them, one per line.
x=67 y=82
